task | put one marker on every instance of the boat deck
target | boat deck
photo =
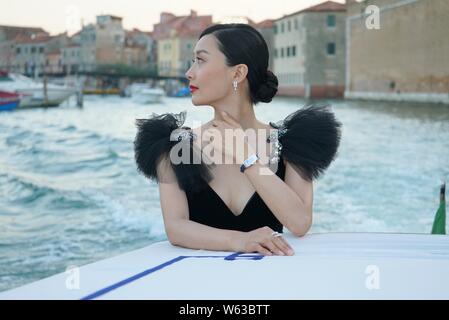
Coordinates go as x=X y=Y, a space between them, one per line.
x=325 y=266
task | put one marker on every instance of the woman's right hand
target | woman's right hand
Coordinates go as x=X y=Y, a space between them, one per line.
x=263 y=241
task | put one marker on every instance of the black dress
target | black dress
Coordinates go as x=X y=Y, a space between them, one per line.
x=308 y=139
x=208 y=208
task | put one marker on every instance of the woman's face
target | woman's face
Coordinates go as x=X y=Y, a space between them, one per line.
x=209 y=73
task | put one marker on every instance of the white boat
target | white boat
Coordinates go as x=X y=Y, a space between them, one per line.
x=325 y=266
x=143 y=93
x=33 y=92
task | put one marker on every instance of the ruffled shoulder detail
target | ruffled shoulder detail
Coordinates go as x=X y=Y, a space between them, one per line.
x=164 y=137
x=308 y=139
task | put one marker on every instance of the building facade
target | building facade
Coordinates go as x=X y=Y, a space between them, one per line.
x=309 y=51
x=407 y=58
x=14 y=42
x=176 y=38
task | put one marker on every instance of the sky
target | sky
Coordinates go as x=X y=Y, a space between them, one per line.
x=56 y=16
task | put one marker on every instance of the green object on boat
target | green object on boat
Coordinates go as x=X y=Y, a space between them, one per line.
x=439 y=223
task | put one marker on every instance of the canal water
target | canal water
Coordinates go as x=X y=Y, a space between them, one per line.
x=70 y=193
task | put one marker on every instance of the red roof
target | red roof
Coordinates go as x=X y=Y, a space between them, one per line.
x=327 y=6
x=268 y=23
x=12 y=31
x=39 y=38
x=185 y=26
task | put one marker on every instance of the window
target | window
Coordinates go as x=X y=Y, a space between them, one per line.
x=288 y=51
x=275 y=29
x=41 y=50
x=289 y=25
x=18 y=50
x=296 y=24
x=275 y=53
x=331 y=48
x=282 y=52
x=33 y=49
x=282 y=27
x=294 y=51
x=331 y=22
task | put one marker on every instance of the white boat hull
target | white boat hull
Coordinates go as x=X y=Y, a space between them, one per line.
x=325 y=266
x=147 y=98
x=32 y=92
x=35 y=97
x=141 y=93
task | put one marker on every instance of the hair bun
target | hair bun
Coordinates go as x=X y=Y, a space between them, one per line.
x=269 y=88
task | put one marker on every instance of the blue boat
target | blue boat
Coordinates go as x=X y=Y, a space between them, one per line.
x=183 y=92
x=9 y=101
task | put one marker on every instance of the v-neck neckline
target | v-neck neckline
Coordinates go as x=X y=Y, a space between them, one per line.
x=226 y=206
x=250 y=198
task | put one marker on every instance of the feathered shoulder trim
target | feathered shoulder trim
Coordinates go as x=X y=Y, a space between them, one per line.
x=308 y=139
x=164 y=137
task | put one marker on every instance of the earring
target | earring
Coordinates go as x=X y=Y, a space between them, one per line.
x=234 y=83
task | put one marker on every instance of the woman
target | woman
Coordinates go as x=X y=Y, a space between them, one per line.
x=265 y=183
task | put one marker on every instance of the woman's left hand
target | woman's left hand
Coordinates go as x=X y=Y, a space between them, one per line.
x=223 y=133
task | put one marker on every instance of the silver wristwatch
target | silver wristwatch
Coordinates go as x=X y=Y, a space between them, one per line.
x=249 y=162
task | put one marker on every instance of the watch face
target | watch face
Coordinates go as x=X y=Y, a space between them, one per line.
x=250 y=160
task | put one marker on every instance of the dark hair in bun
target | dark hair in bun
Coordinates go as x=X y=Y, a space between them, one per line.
x=268 y=89
x=243 y=44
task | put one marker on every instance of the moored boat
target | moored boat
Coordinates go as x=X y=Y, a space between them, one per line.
x=34 y=93
x=143 y=93
x=9 y=101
